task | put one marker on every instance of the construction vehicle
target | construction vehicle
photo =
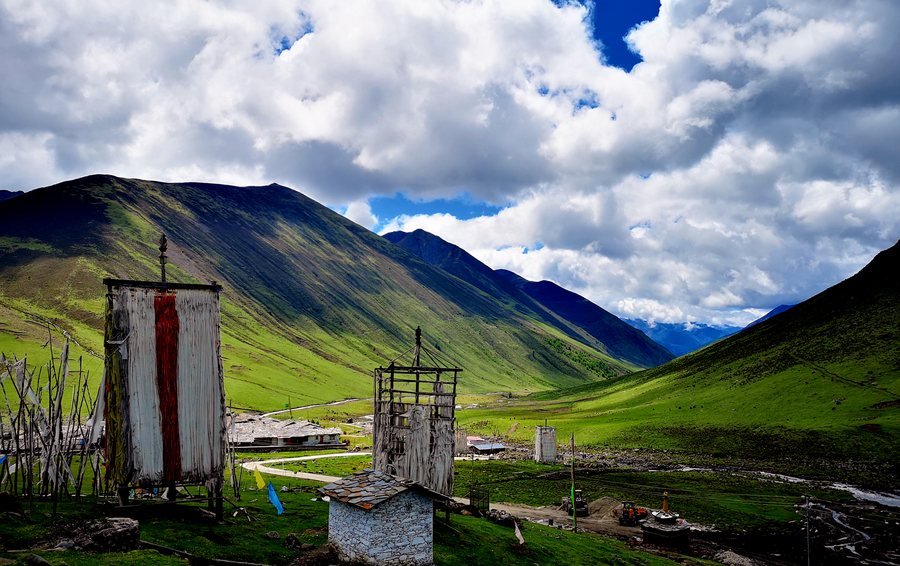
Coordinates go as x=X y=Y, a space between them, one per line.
x=581 y=509
x=631 y=515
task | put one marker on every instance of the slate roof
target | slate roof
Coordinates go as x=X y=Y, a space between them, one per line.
x=368 y=488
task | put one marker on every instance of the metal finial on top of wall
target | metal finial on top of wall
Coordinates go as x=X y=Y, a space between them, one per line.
x=162 y=256
x=418 y=349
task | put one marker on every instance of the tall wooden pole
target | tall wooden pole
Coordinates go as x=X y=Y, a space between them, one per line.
x=574 y=507
x=162 y=256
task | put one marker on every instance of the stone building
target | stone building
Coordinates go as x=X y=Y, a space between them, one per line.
x=380 y=519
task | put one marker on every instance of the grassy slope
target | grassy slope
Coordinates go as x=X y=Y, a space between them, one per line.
x=466 y=541
x=312 y=302
x=820 y=380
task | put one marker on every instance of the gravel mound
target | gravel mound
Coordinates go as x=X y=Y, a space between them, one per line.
x=605 y=507
x=732 y=559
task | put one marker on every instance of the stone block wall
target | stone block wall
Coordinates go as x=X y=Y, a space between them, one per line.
x=397 y=532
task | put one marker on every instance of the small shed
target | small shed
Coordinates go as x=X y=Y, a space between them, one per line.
x=461 y=445
x=487 y=448
x=545 y=444
x=380 y=519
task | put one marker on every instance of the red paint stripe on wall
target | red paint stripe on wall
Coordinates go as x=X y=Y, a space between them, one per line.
x=167 y=383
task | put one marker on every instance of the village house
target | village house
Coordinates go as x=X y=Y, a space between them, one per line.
x=248 y=429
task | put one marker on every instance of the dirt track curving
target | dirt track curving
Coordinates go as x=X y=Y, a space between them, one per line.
x=601 y=518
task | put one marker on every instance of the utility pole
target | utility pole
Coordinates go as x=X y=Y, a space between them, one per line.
x=807 y=530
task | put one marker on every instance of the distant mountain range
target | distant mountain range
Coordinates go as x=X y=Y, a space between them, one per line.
x=574 y=314
x=312 y=302
x=683 y=337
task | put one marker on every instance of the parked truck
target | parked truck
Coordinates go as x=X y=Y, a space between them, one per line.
x=581 y=509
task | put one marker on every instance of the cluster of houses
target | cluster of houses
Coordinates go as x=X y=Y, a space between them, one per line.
x=251 y=430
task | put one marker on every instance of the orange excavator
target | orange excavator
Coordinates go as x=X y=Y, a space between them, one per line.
x=631 y=515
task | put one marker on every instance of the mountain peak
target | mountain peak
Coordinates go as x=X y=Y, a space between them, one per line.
x=567 y=311
x=313 y=302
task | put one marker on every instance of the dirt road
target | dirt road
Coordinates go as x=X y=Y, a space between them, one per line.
x=600 y=521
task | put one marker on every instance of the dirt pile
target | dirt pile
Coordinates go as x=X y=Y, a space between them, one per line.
x=605 y=507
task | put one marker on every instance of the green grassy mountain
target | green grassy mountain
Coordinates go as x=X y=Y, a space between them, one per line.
x=821 y=380
x=619 y=337
x=312 y=302
x=574 y=315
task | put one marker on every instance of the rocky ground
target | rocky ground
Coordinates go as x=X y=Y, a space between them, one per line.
x=855 y=532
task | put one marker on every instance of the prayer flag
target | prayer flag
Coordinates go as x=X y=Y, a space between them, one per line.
x=519 y=533
x=273 y=497
x=574 y=510
x=260 y=482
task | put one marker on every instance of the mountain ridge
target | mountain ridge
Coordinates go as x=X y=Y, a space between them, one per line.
x=312 y=301
x=558 y=306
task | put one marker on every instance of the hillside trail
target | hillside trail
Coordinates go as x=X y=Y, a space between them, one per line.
x=304 y=407
x=264 y=466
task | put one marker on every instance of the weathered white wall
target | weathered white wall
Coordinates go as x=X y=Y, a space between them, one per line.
x=545 y=444
x=397 y=532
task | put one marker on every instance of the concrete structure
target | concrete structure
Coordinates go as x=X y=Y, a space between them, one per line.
x=668 y=533
x=545 y=444
x=380 y=519
x=461 y=446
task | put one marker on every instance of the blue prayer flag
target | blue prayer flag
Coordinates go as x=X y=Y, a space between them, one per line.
x=273 y=497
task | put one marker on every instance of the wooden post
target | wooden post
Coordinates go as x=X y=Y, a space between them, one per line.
x=220 y=502
x=162 y=256
x=122 y=492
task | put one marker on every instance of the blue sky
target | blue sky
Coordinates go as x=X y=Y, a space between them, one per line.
x=612 y=19
x=751 y=159
x=462 y=206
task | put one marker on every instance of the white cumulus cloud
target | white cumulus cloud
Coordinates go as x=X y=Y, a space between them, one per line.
x=750 y=160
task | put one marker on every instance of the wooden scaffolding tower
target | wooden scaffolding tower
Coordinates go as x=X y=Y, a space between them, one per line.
x=414 y=418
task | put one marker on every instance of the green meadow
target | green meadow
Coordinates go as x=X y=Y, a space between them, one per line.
x=465 y=540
